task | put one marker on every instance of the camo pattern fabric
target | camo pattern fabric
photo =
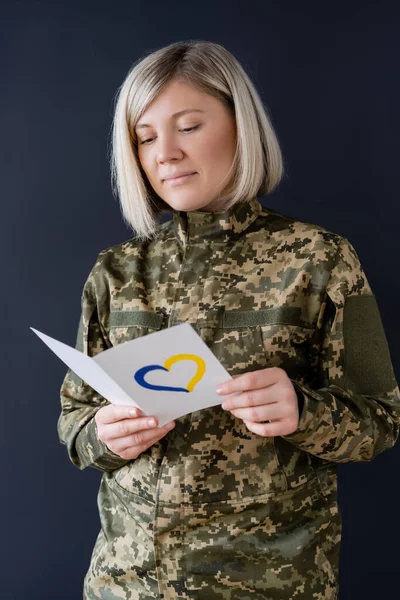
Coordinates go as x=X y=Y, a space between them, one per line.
x=213 y=511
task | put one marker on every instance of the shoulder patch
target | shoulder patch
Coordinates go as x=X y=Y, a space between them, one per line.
x=367 y=364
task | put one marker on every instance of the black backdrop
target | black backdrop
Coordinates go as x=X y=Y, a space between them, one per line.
x=329 y=75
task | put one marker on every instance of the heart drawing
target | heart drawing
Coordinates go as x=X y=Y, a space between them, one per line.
x=201 y=368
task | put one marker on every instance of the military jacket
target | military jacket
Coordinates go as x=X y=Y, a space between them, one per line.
x=213 y=511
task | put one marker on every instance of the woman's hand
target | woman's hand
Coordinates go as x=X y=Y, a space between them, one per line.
x=127 y=434
x=266 y=395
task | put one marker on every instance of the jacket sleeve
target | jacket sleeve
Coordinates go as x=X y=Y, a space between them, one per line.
x=351 y=409
x=76 y=425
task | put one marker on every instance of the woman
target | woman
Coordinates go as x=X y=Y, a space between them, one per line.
x=239 y=500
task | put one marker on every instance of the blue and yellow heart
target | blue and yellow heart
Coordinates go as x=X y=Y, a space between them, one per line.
x=142 y=372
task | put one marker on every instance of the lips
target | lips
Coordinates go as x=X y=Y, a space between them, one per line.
x=179 y=175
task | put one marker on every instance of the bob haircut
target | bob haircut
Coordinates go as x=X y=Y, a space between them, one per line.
x=257 y=165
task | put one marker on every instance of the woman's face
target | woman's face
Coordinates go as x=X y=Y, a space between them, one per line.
x=207 y=149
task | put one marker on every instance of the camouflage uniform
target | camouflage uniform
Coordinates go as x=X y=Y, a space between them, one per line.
x=213 y=511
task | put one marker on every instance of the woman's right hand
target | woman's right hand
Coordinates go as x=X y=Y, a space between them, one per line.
x=127 y=435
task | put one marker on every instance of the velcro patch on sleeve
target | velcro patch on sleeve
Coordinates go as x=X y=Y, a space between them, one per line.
x=367 y=364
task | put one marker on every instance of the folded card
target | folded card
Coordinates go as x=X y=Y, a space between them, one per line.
x=167 y=374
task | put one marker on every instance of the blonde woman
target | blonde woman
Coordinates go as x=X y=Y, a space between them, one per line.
x=240 y=500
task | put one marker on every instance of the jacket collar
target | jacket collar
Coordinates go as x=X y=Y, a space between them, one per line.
x=198 y=225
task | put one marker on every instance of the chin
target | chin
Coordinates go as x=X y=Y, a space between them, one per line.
x=186 y=204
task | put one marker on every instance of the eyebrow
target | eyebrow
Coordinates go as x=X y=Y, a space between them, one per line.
x=177 y=114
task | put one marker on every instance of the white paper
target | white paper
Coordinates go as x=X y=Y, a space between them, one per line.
x=123 y=374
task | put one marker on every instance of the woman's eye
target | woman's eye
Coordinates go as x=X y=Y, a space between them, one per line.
x=191 y=128
x=187 y=129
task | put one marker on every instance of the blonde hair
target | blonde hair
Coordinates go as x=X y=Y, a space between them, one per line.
x=258 y=162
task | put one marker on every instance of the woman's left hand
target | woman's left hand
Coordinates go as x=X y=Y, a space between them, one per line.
x=266 y=395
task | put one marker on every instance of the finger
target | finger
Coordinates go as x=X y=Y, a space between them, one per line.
x=126 y=427
x=265 y=412
x=250 y=381
x=144 y=438
x=282 y=427
x=250 y=398
x=133 y=452
x=115 y=412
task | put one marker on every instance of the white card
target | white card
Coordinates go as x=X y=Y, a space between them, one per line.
x=167 y=374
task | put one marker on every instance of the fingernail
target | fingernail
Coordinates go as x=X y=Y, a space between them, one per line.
x=133 y=412
x=220 y=389
x=151 y=422
x=224 y=406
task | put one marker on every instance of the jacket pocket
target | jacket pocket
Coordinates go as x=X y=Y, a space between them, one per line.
x=278 y=333
x=236 y=341
x=250 y=466
x=287 y=341
x=274 y=337
x=126 y=325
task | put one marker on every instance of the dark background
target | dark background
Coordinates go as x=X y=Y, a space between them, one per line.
x=329 y=74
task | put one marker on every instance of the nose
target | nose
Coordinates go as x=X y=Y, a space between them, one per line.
x=168 y=149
